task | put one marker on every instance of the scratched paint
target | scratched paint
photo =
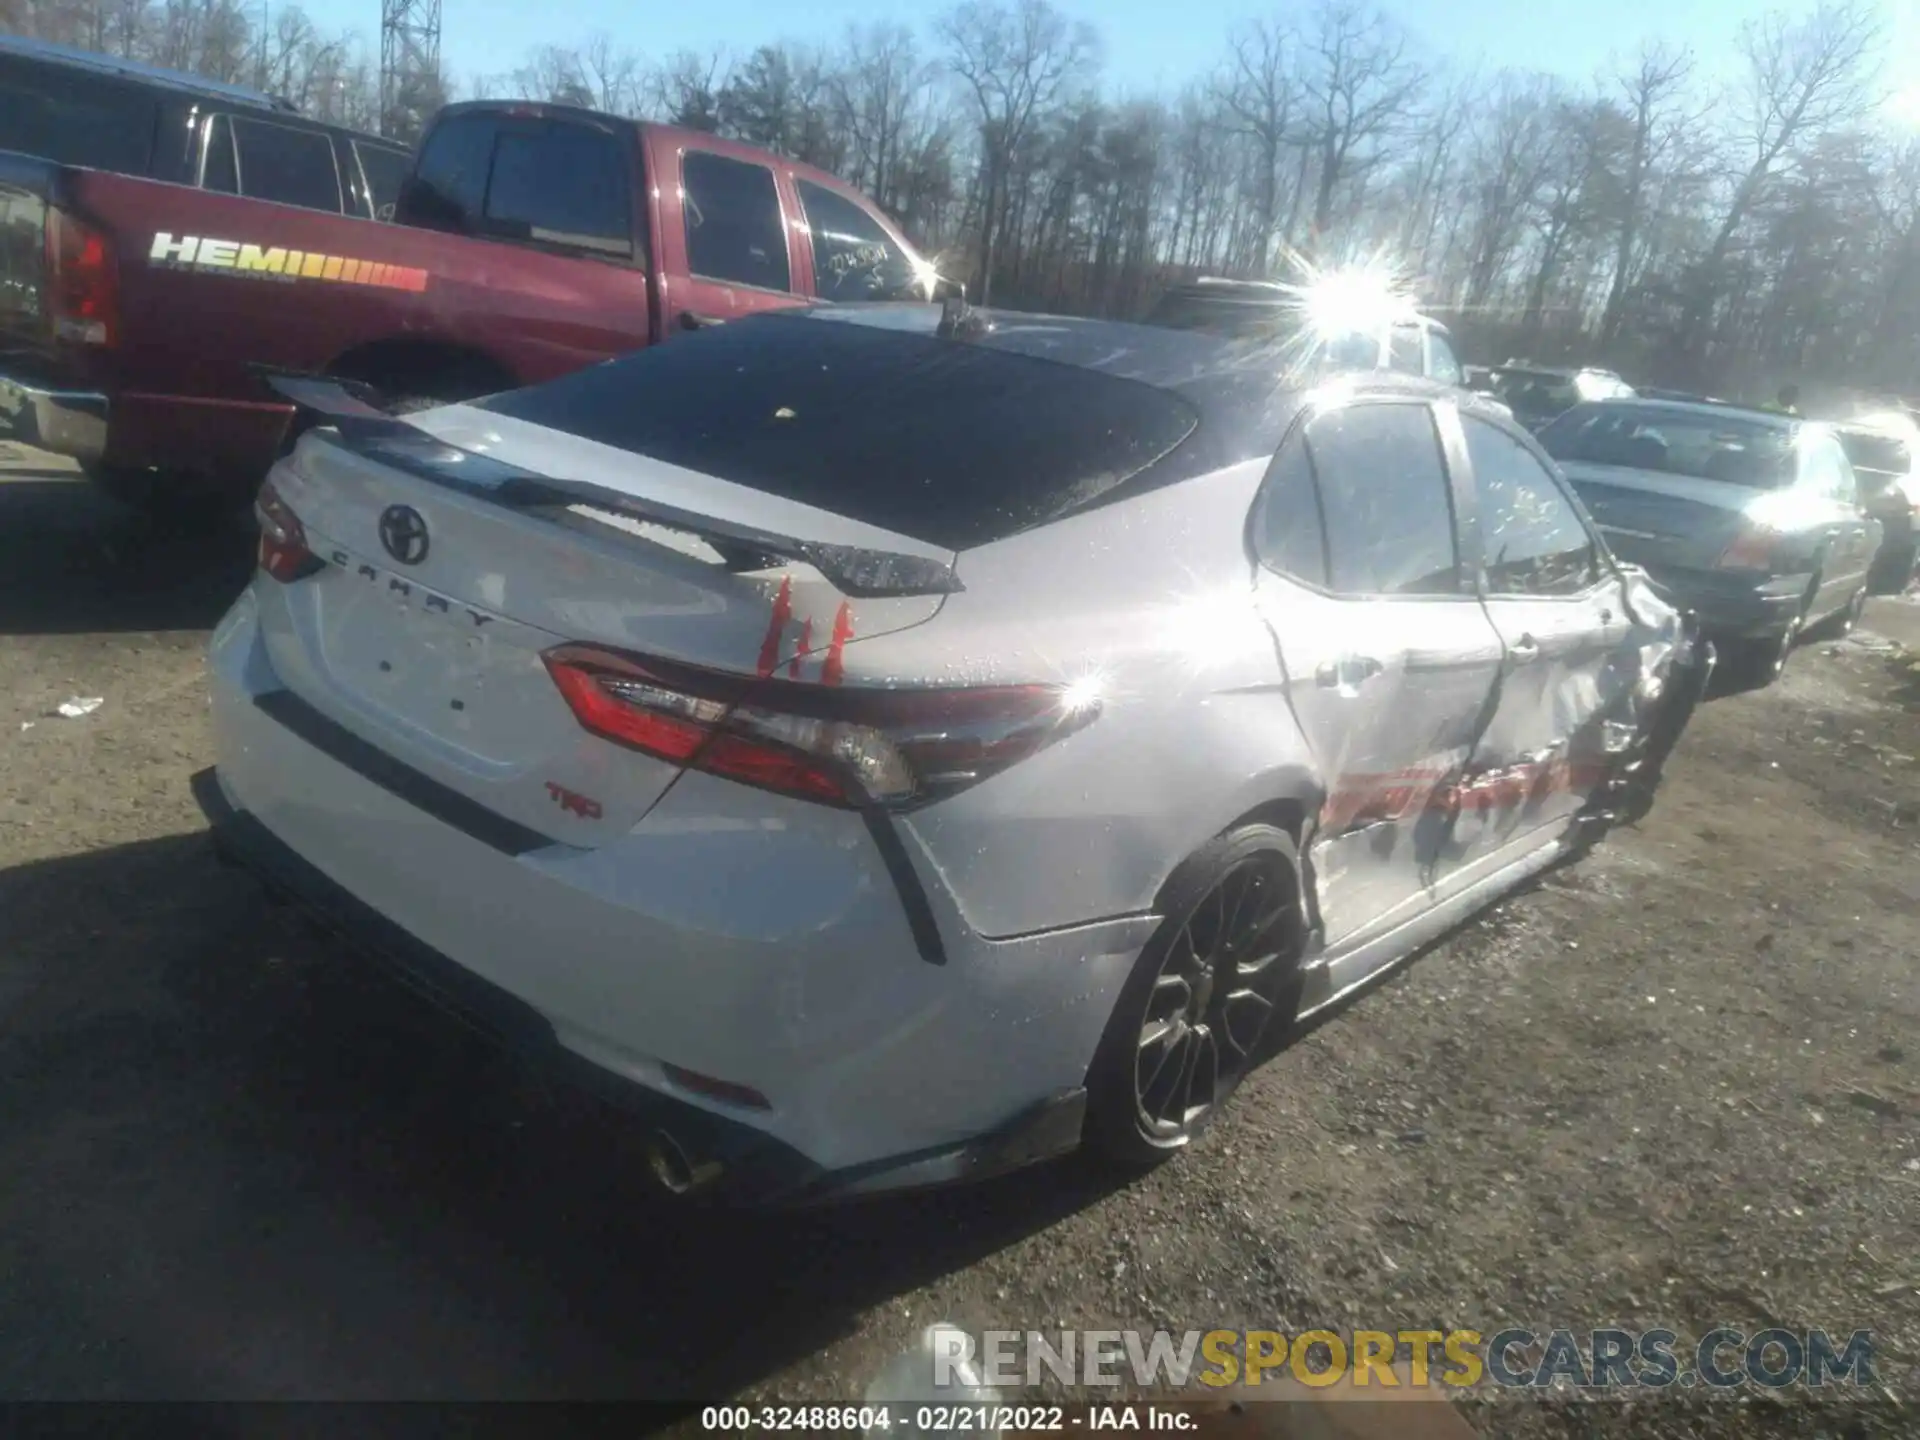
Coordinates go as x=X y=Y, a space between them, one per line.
x=781 y=620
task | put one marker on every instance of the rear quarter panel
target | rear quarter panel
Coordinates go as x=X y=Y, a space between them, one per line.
x=1151 y=604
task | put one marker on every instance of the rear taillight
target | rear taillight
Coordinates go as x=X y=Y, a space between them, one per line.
x=83 y=281
x=1752 y=549
x=283 y=539
x=837 y=745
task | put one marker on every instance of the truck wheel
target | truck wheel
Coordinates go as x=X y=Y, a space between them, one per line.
x=169 y=494
x=1219 y=973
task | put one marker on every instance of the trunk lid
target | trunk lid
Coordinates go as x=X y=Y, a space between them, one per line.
x=1652 y=518
x=425 y=633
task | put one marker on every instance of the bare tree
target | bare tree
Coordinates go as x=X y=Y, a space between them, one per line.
x=611 y=73
x=686 y=90
x=1804 y=78
x=1360 y=85
x=1256 y=93
x=1651 y=91
x=880 y=76
x=1014 y=59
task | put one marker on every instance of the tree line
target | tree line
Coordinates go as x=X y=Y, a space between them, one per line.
x=1729 y=221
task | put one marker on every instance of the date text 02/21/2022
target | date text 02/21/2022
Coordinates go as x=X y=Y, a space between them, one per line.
x=941 y=1419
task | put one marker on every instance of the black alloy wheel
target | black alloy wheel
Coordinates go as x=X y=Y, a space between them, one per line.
x=1220 y=972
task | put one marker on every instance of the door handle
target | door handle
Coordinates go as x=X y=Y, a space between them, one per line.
x=1347 y=673
x=691 y=321
x=1524 y=651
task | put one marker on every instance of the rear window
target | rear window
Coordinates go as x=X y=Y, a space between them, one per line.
x=1533 y=393
x=65 y=115
x=1885 y=454
x=1264 y=320
x=1675 y=442
x=951 y=443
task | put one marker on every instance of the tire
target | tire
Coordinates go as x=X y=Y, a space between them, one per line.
x=1842 y=621
x=1755 y=664
x=169 y=494
x=1179 y=1041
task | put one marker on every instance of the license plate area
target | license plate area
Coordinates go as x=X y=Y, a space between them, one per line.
x=461 y=675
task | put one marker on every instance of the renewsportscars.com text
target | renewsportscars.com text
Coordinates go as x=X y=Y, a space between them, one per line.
x=1601 y=1359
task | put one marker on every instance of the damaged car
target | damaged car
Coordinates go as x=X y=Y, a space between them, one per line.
x=887 y=745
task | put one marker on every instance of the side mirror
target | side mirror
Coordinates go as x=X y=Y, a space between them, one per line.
x=945 y=289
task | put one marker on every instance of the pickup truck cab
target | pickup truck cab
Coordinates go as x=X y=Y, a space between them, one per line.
x=528 y=240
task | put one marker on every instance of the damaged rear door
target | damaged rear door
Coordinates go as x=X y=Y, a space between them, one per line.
x=1389 y=658
x=1568 y=667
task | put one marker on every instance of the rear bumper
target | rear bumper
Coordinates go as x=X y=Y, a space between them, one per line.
x=748 y=1165
x=1734 y=606
x=730 y=934
x=64 y=422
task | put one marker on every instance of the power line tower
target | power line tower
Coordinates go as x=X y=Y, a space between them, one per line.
x=410 y=87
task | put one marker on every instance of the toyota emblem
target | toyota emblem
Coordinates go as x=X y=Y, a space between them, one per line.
x=403 y=530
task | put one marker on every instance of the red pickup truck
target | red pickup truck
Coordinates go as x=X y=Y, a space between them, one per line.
x=528 y=240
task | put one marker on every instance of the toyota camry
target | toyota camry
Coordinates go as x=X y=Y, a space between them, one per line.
x=887 y=746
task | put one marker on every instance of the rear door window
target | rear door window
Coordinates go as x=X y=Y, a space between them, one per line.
x=1824 y=468
x=1290 y=536
x=561 y=184
x=285 y=164
x=853 y=258
x=383 y=170
x=1384 y=492
x=449 y=182
x=73 y=118
x=953 y=444
x=735 y=232
x=1534 y=539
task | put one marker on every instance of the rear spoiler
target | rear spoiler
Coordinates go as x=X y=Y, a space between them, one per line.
x=357 y=412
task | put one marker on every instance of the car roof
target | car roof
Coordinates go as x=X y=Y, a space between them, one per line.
x=1564 y=372
x=1708 y=409
x=673 y=134
x=1260 y=292
x=145 y=74
x=1240 y=389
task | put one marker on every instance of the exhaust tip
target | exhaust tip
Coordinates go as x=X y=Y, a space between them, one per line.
x=678 y=1172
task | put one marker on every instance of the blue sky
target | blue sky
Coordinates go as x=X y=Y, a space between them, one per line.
x=1149 y=43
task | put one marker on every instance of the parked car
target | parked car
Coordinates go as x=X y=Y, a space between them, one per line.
x=529 y=240
x=1748 y=517
x=1537 y=393
x=739 y=720
x=74 y=107
x=1882 y=455
x=1405 y=342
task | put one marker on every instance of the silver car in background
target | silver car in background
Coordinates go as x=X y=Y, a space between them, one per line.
x=1748 y=518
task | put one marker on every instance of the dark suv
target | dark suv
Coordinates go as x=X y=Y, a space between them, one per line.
x=78 y=108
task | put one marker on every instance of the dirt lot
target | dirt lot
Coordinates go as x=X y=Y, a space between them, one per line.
x=1678 y=1085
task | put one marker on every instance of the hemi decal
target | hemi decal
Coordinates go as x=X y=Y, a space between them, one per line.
x=204 y=253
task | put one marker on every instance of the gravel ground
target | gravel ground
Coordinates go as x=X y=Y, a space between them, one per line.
x=1677 y=1085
